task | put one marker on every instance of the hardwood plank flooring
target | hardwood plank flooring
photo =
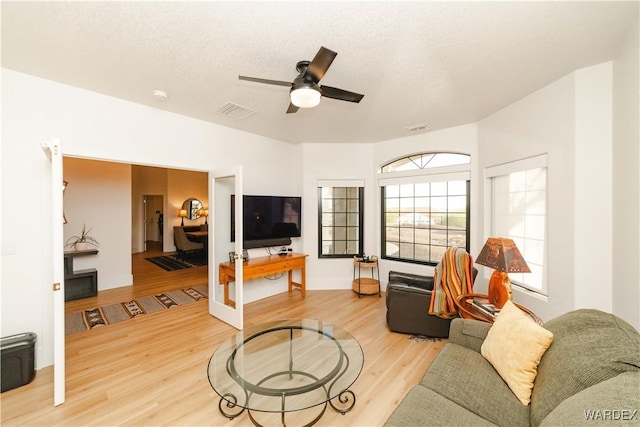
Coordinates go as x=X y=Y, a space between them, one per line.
x=152 y=370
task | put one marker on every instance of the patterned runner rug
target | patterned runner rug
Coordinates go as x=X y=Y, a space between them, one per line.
x=172 y=262
x=101 y=316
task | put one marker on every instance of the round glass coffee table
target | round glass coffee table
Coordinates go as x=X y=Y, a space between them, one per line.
x=286 y=366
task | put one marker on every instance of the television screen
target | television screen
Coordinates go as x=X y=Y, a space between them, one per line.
x=268 y=217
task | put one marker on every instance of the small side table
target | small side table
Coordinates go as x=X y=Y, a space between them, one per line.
x=79 y=283
x=468 y=310
x=366 y=285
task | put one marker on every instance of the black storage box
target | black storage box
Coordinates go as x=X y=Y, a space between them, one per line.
x=18 y=360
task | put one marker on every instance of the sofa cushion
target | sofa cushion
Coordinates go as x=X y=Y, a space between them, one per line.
x=514 y=346
x=614 y=401
x=469 y=333
x=589 y=347
x=422 y=406
x=466 y=378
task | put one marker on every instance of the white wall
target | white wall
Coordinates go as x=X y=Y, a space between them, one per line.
x=593 y=201
x=98 y=194
x=335 y=162
x=571 y=120
x=626 y=180
x=94 y=126
x=542 y=122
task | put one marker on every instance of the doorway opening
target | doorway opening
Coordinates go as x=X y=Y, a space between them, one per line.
x=153 y=206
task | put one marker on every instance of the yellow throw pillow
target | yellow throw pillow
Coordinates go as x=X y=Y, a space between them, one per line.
x=514 y=346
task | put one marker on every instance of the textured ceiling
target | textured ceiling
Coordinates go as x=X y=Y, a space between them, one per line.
x=438 y=63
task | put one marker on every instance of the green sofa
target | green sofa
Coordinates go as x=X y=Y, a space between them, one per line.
x=590 y=375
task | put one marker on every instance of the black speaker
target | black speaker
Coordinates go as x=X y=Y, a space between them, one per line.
x=264 y=243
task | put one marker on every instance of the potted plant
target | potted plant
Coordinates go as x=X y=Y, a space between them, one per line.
x=83 y=241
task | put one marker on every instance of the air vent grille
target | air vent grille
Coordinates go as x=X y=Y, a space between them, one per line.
x=416 y=128
x=235 y=111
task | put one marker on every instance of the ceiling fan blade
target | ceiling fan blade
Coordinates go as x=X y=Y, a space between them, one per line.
x=341 y=94
x=320 y=64
x=292 y=109
x=267 y=81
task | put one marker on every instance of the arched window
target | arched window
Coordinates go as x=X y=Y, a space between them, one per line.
x=425 y=206
x=426 y=161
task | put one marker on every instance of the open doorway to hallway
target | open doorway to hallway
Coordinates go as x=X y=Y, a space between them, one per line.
x=153 y=206
x=99 y=186
x=131 y=209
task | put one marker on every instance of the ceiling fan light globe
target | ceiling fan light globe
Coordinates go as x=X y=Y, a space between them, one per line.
x=305 y=97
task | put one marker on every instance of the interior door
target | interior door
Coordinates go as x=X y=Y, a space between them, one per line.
x=53 y=150
x=222 y=184
x=152 y=223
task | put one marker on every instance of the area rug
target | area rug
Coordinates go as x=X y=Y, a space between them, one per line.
x=101 y=316
x=172 y=262
x=421 y=338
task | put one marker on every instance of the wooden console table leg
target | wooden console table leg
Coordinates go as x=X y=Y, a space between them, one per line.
x=302 y=285
x=227 y=300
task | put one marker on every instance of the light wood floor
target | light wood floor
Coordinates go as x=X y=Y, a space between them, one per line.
x=152 y=370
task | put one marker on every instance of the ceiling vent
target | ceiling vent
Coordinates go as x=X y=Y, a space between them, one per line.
x=235 y=111
x=416 y=128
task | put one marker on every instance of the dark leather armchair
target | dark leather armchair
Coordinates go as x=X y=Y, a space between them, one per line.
x=408 y=298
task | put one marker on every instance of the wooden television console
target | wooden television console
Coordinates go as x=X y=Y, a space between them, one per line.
x=264 y=266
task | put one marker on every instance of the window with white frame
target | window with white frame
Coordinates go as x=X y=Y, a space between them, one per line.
x=425 y=206
x=518 y=211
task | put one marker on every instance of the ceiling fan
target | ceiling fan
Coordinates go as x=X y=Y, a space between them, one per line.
x=305 y=91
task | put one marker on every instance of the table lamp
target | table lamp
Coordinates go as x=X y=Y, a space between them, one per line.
x=205 y=213
x=182 y=213
x=503 y=256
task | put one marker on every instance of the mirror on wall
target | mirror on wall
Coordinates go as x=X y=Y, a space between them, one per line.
x=193 y=208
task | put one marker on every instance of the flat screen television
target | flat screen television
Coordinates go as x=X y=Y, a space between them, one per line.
x=272 y=220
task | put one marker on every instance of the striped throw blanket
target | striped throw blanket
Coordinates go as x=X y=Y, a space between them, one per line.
x=451 y=278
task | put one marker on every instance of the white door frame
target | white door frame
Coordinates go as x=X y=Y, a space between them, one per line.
x=145 y=217
x=219 y=245
x=53 y=150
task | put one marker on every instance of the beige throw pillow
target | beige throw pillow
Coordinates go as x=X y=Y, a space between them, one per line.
x=514 y=346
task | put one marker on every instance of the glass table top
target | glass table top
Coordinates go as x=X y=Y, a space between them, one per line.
x=285 y=365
